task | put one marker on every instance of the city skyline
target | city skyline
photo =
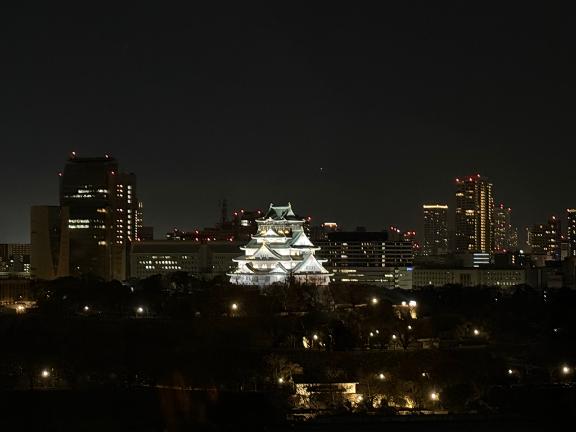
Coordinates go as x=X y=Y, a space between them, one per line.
x=287 y=217
x=375 y=110
x=215 y=212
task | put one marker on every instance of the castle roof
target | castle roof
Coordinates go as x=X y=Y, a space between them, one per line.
x=264 y=252
x=301 y=239
x=310 y=261
x=280 y=213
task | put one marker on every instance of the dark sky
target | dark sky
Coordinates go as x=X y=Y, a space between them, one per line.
x=392 y=104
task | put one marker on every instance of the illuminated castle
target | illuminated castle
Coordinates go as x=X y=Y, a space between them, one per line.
x=279 y=251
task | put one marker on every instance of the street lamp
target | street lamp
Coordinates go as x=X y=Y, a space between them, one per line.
x=139 y=310
x=476 y=332
x=86 y=308
x=566 y=370
x=315 y=339
x=280 y=380
x=374 y=301
x=20 y=309
x=234 y=306
x=434 y=396
x=510 y=372
x=45 y=373
x=381 y=376
x=412 y=303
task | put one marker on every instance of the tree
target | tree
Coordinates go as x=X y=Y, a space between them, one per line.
x=279 y=369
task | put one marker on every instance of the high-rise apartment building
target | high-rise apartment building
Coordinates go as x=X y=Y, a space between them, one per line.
x=103 y=216
x=571 y=213
x=546 y=239
x=435 y=239
x=474 y=215
x=505 y=235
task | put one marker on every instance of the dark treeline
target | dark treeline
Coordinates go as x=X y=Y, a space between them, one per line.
x=469 y=344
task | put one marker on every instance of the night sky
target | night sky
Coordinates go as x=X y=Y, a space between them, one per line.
x=354 y=115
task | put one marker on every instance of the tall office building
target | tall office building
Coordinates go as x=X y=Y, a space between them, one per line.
x=50 y=243
x=474 y=215
x=572 y=230
x=103 y=216
x=505 y=235
x=435 y=229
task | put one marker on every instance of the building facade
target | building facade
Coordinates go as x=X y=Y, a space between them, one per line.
x=14 y=260
x=435 y=239
x=571 y=217
x=279 y=252
x=320 y=232
x=505 y=235
x=545 y=239
x=104 y=215
x=369 y=258
x=50 y=242
x=468 y=277
x=474 y=226
x=209 y=259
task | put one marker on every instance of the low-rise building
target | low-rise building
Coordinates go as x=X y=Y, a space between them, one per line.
x=207 y=259
x=14 y=260
x=368 y=258
x=476 y=276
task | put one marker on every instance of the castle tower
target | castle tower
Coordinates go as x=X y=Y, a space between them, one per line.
x=279 y=251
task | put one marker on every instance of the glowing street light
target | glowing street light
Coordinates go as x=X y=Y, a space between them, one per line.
x=566 y=370
x=374 y=301
x=139 y=310
x=476 y=332
x=86 y=308
x=434 y=396
x=315 y=337
x=409 y=327
x=234 y=306
x=394 y=337
x=412 y=303
x=280 y=380
x=20 y=309
x=381 y=376
x=510 y=372
x=371 y=334
x=45 y=373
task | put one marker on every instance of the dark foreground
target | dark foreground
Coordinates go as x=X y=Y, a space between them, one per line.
x=168 y=410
